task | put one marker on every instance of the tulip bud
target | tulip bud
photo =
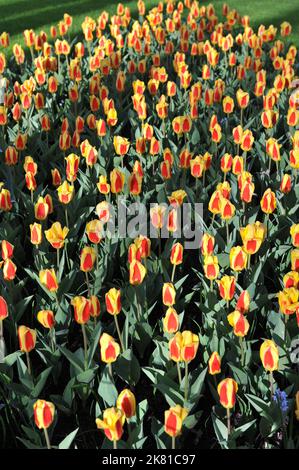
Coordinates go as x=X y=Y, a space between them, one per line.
x=176 y=254
x=44 y=412
x=183 y=346
x=48 y=278
x=6 y=250
x=207 y=244
x=286 y=184
x=3 y=308
x=243 y=302
x=41 y=209
x=214 y=364
x=227 y=286
x=268 y=202
x=87 y=259
x=27 y=338
x=173 y=419
x=211 y=267
x=46 y=318
x=113 y=301
x=227 y=390
x=269 y=355
x=110 y=349
x=127 y=403
x=94 y=231
x=35 y=233
x=9 y=270
x=240 y=324
x=81 y=309
x=237 y=258
x=171 y=321
x=168 y=294
x=95 y=306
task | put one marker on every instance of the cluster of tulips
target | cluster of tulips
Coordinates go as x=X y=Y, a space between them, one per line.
x=176 y=107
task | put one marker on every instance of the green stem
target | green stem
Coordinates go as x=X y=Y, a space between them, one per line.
x=47 y=439
x=173 y=442
x=228 y=422
x=186 y=381
x=119 y=333
x=28 y=363
x=179 y=372
x=173 y=273
x=85 y=344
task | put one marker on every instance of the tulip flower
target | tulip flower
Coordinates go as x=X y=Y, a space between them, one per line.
x=270 y=359
x=36 y=234
x=6 y=250
x=9 y=270
x=109 y=348
x=176 y=257
x=41 y=209
x=211 y=268
x=295 y=260
x=227 y=391
x=117 y=181
x=103 y=186
x=268 y=202
x=207 y=244
x=56 y=236
x=137 y=273
x=183 y=347
x=294 y=231
x=173 y=421
x=227 y=286
x=252 y=237
x=269 y=355
x=27 y=340
x=95 y=306
x=3 y=314
x=237 y=258
x=102 y=211
x=48 y=279
x=171 y=321
x=239 y=322
x=243 y=302
x=288 y=300
x=46 y=318
x=168 y=294
x=127 y=403
x=87 y=259
x=214 y=363
x=112 y=424
x=44 y=412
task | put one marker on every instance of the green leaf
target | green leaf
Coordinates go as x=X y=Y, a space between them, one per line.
x=68 y=440
x=72 y=358
x=127 y=367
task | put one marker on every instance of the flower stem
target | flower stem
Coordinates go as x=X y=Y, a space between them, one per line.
x=85 y=344
x=114 y=444
x=186 y=381
x=119 y=332
x=173 y=273
x=47 y=439
x=228 y=422
x=173 y=442
x=179 y=372
x=28 y=363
